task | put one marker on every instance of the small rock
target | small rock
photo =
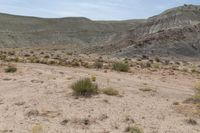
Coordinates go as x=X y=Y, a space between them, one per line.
x=37 y=81
x=20 y=103
x=64 y=122
x=33 y=113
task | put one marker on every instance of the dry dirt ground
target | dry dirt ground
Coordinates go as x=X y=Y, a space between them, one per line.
x=38 y=99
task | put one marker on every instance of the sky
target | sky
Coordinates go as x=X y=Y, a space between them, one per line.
x=93 y=9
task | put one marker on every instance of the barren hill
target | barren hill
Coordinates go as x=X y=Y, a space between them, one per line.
x=175 y=33
x=19 y=31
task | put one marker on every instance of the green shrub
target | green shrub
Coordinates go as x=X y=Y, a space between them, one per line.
x=122 y=67
x=156 y=65
x=93 y=78
x=197 y=86
x=46 y=56
x=84 y=87
x=146 y=89
x=134 y=129
x=75 y=63
x=85 y=64
x=196 y=98
x=157 y=59
x=110 y=91
x=3 y=57
x=10 y=69
x=98 y=64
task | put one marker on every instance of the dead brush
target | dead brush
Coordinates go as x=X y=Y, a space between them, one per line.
x=110 y=91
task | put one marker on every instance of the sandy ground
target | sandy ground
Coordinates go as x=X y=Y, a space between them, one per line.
x=37 y=98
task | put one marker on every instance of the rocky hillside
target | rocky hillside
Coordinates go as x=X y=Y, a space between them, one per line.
x=19 y=31
x=172 y=18
x=175 y=32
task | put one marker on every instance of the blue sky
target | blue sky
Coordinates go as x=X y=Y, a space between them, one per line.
x=93 y=9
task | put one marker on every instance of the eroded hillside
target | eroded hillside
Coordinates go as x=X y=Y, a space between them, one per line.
x=173 y=33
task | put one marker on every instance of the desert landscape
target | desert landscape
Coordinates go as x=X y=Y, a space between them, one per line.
x=76 y=75
x=38 y=97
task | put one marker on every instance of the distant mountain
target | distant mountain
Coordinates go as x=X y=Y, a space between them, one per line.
x=20 y=31
x=173 y=33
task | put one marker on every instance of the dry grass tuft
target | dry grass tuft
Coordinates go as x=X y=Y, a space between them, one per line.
x=93 y=78
x=133 y=129
x=191 y=121
x=110 y=92
x=197 y=86
x=37 y=129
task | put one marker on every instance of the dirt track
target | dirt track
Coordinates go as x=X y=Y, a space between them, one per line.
x=39 y=97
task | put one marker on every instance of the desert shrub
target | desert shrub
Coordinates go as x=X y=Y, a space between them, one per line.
x=10 y=69
x=133 y=129
x=197 y=86
x=93 y=78
x=11 y=53
x=197 y=95
x=156 y=65
x=2 y=57
x=84 y=87
x=191 y=121
x=184 y=69
x=37 y=129
x=122 y=67
x=27 y=55
x=146 y=89
x=166 y=62
x=52 y=62
x=126 y=60
x=16 y=59
x=85 y=64
x=75 y=64
x=70 y=53
x=157 y=59
x=110 y=92
x=98 y=64
x=175 y=103
x=194 y=70
x=145 y=57
x=46 y=56
x=196 y=98
x=147 y=64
